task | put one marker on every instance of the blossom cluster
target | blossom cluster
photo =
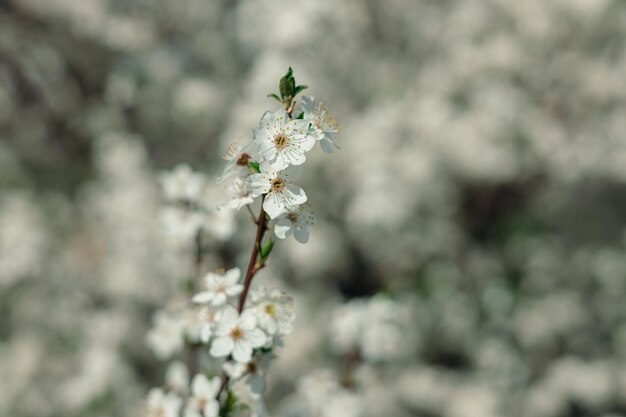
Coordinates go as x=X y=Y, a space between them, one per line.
x=237 y=329
x=270 y=164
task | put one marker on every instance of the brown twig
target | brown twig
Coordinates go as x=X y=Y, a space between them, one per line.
x=253 y=267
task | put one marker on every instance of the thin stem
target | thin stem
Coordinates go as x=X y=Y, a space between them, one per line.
x=253 y=265
x=253 y=268
x=254 y=220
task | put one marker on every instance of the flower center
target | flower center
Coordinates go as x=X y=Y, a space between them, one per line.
x=293 y=216
x=243 y=160
x=277 y=184
x=236 y=333
x=270 y=309
x=281 y=141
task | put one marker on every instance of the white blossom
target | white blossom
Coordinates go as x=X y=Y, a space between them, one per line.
x=181 y=224
x=253 y=372
x=219 y=223
x=200 y=322
x=323 y=126
x=295 y=221
x=219 y=287
x=182 y=184
x=279 y=187
x=237 y=335
x=203 y=402
x=274 y=310
x=237 y=157
x=159 y=404
x=177 y=377
x=283 y=141
x=239 y=194
x=166 y=336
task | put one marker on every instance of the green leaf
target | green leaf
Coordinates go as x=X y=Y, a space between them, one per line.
x=299 y=89
x=230 y=404
x=266 y=250
x=272 y=95
x=300 y=115
x=254 y=166
x=285 y=88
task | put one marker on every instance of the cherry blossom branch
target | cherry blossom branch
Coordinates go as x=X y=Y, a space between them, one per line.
x=253 y=267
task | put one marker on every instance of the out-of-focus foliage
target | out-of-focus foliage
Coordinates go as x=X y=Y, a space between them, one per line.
x=481 y=181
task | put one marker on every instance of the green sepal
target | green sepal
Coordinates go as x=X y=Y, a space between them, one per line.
x=300 y=115
x=266 y=250
x=299 y=89
x=254 y=166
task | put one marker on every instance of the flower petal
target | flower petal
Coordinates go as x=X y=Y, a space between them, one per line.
x=242 y=351
x=203 y=297
x=301 y=236
x=234 y=290
x=256 y=337
x=221 y=347
x=211 y=408
x=283 y=228
x=294 y=194
x=274 y=205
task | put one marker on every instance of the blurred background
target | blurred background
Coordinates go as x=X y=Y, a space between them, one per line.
x=481 y=185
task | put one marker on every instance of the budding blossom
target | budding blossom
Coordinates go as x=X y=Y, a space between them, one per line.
x=237 y=335
x=278 y=187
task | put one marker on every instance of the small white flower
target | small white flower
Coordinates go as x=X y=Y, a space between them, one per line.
x=219 y=223
x=239 y=193
x=279 y=187
x=253 y=371
x=210 y=318
x=158 y=404
x=166 y=336
x=219 y=287
x=177 y=377
x=182 y=184
x=295 y=221
x=274 y=310
x=324 y=127
x=200 y=322
x=237 y=157
x=181 y=224
x=203 y=402
x=282 y=141
x=237 y=335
